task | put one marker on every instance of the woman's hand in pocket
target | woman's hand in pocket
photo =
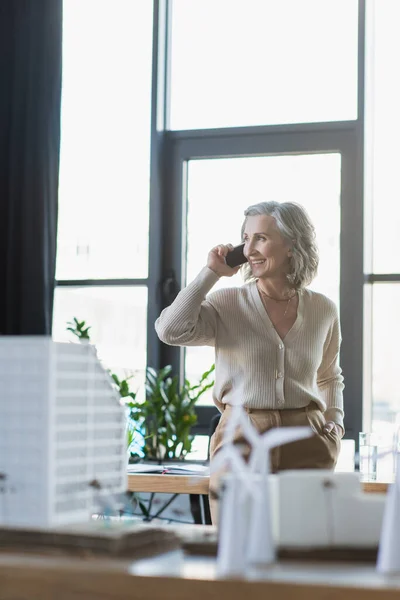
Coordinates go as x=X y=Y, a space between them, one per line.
x=331 y=426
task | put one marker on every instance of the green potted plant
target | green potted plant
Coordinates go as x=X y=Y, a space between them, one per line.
x=167 y=414
x=79 y=329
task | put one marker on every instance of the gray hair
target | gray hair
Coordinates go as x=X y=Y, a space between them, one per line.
x=297 y=230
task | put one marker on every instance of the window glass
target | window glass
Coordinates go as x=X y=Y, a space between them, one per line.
x=199 y=448
x=262 y=62
x=105 y=139
x=383 y=132
x=385 y=356
x=118 y=320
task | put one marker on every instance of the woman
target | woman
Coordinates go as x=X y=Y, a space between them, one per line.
x=276 y=342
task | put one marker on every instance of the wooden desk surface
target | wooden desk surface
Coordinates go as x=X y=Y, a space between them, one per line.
x=375 y=487
x=174 y=577
x=183 y=484
x=170 y=484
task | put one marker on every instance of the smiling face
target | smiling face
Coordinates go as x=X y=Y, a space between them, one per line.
x=265 y=248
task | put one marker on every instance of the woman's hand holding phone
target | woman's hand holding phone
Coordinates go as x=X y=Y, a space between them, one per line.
x=217 y=263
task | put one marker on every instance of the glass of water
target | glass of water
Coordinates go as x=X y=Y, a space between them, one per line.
x=368 y=456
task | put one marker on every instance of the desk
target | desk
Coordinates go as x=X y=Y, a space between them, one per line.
x=375 y=487
x=184 y=484
x=196 y=486
x=168 y=484
x=173 y=577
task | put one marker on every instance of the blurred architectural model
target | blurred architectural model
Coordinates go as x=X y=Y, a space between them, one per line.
x=306 y=509
x=62 y=433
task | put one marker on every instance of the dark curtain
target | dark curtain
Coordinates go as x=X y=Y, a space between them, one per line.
x=30 y=99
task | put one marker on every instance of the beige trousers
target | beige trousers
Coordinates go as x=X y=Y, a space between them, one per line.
x=317 y=452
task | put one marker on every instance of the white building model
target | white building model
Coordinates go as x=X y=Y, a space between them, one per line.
x=62 y=433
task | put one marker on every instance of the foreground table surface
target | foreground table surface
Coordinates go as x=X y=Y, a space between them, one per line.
x=174 y=576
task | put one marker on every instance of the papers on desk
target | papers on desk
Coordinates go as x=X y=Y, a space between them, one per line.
x=170 y=469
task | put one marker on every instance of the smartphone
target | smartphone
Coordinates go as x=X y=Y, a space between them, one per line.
x=235 y=257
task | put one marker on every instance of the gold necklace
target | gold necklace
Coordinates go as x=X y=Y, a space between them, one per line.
x=287 y=306
x=288 y=300
x=276 y=299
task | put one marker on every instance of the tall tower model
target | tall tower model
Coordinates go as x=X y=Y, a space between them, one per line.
x=62 y=432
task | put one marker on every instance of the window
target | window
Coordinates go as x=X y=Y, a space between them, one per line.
x=262 y=62
x=104 y=173
x=383 y=132
x=103 y=226
x=385 y=358
x=231 y=142
x=118 y=319
x=382 y=191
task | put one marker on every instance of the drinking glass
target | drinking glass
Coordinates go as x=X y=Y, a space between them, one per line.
x=368 y=456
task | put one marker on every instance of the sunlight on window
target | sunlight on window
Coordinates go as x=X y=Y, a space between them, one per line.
x=105 y=139
x=385 y=358
x=383 y=133
x=262 y=62
x=118 y=320
x=382 y=186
